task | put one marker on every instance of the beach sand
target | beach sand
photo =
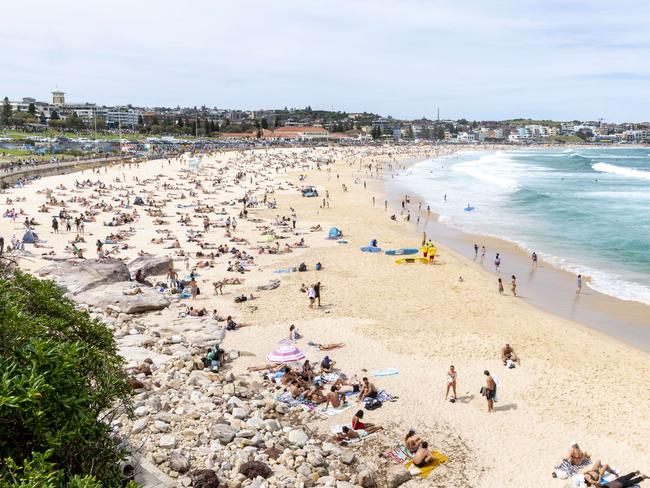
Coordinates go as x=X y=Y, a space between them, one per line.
x=574 y=384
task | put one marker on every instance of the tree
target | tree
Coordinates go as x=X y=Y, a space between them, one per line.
x=265 y=124
x=140 y=120
x=31 y=110
x=308 y=109
x=5 y=116
x=61 y=385
x=73 y=121
x=409 y=132
x=179 y=122
x=276 y=122
x=54 y=115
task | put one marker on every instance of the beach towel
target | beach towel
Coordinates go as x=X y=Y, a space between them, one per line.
x=399 y=454
x=566 y=470
x=284 y=270
x=386 y=372
x=438 y=459
x=331 y=411
x=363 y=435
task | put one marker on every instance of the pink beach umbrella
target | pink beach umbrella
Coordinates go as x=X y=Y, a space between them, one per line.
x=285 y=354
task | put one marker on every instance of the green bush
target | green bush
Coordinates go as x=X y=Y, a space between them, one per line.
x=61 y=384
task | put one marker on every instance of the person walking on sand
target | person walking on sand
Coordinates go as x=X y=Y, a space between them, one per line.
x=55 y=225
x=513 y=286
x=475 y=251
x=578 y=284
x=533 y=258
x=317 y=287
x=483 y=251
x=500 y=285
x=497 y=263
x=451 y=383
x=489 y=390
x=311 y=294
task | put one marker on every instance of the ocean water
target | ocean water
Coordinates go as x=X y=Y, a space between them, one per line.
x=584 y=210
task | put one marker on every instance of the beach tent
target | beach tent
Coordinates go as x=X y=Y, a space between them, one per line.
x=30 y=237
x=138 y=201
x=335 y=233
x=285 y=354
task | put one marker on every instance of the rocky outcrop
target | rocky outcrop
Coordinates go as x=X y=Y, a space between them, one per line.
x=118 y=298
x=75 y=276
x=151 y=265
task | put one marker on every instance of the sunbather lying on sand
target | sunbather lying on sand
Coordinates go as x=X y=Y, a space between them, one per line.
x=596 y=472
x=273 y=367
x=626 y=481
x=348 y=434
x=327 y=347
x=357 y=424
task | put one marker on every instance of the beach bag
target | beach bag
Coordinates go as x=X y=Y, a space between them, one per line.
x=302 y=267
x=318 y=266
x=372 y=404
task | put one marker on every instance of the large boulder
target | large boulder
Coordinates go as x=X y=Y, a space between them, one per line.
x=78 y=275
x=151 y=265
x=113 y=297
x=397 y=475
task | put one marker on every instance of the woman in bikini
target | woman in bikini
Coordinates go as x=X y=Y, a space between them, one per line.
x=451 y=382
x=597 y=471
x=357 y=424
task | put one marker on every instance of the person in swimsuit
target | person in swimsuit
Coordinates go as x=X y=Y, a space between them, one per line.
x=500 y=286
x=451 y=382
x=626 y=481
x=513 y=286
x=497 y=263
x=489 y=390
x=412 y=441
x=578 y=284
x=597 y=471
x=357 y=424
x=335 y=398
x=508 y=354
x=368 y=390
x=422 y=456
x=483 y=251
x=533 y=257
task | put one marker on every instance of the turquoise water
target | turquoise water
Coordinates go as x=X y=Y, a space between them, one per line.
x=584 y=210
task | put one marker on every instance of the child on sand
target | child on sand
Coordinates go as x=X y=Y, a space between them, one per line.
x=500 y=287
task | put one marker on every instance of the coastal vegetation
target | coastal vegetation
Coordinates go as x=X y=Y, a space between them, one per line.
x=61 y=384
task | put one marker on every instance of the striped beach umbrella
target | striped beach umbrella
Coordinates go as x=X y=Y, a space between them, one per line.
x=285 y=354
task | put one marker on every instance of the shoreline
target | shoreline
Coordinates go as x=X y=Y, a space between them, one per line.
x=547 y=287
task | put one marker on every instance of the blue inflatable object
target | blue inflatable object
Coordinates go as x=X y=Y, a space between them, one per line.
x=371 y=249
x=468 y=209
x=402 y=252
x=335 y=233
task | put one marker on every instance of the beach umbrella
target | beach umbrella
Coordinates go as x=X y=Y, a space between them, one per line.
x=285 y=354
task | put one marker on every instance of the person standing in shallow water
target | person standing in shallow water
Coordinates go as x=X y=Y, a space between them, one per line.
x=578 y=284
x=513 y=286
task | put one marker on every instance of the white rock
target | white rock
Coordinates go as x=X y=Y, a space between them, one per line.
x=167 y=441
x=298 y=437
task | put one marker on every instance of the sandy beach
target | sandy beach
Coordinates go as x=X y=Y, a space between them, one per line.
x=573 y=384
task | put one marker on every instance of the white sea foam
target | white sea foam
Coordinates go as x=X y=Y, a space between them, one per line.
x=621 y=171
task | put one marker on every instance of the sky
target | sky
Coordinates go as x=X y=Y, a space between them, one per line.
x=475 y=59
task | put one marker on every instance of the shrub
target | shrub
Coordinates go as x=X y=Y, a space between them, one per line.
x=61 y=384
